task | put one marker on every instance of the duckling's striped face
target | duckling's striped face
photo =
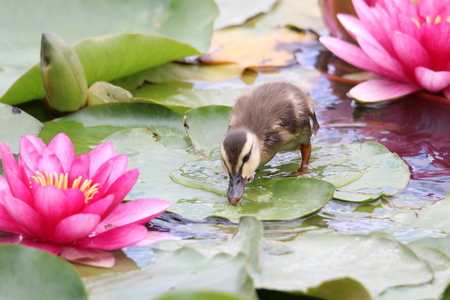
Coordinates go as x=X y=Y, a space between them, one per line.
x=240 y=159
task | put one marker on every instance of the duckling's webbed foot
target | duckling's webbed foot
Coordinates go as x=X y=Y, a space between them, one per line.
x=306 y=154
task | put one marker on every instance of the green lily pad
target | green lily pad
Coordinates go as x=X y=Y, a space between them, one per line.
x=186 y=269
x=235 y=12
x=201 y=296
x=28 y=273
x=135 y=36
x=439 y=263
x=430 y=216
x=89 y=126
x=175 y=72
x=15 y=123
x=361 y=172
x=206 y=128
x=299 y=14
x=183 y=93
x=157 y=162
x=311 y=259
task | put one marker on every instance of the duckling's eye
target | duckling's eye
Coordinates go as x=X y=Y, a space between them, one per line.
x=246 y=157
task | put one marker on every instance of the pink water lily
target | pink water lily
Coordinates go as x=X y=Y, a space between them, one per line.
x=71 y=206
x=407 y=43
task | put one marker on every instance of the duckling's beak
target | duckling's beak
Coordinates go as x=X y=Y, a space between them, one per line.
x=236 y=188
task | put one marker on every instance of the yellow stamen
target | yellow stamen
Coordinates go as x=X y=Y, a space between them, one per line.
x=428 y=19
x=448 y=19
x=437 y=20
x=61 y=181
x=417 y=23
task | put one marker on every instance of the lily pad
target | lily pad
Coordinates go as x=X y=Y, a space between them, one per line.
x=303 y=15
x=200 y=296
x=430 y=216
x=255 y=47
x=28 y=273
x=156 y=163
x=236 y=12
x=183 y=93
x=361 y=172
x=176 y=72
x=206 y=127
x=128 y=44
x=311 y=259
x=439 y=263
x=186 y=269
x=88 y=127
x=15 y=123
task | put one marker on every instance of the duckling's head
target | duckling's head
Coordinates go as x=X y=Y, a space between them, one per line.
x=240 y=159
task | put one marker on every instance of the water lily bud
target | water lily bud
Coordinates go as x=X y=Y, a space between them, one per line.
x=63 y=74
x=103 y=92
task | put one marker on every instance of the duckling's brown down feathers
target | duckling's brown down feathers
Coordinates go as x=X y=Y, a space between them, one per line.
x=279 y=114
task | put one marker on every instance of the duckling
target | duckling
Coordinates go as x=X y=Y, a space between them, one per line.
x=273 y=117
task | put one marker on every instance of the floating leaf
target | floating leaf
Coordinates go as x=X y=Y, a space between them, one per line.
x=15 y=123
x=89 y=126
x=236 y=12
x=430 y=216
x=200 y=296
x=185 y=269
x=311 y=259
x=206 y=127
x=175 y=72
x=303 y=15
x=163 y=33
x=28 y=273
x=361 y=172
x=439 y=263
x=253 y=47
x=183 y=93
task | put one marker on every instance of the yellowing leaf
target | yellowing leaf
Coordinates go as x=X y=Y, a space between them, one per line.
x=252 y=47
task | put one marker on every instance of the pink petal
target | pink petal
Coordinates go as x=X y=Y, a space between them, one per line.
x=80 y=167
x=382 y=58
x=10 y=239
x=134 y=212
x=49 y=162
x=90 y=257
x=51 y=248
x=352 y=54
x=119 y=165
x=29 y=155
x=116 y=238
x=99 y=155
x=156 y=236
x=14 y=174
x=99 y=207
x=431 y=80
x=353 y=26
x=447 y=92
x=50 y=203
x=75 y=201
x=62 y=146
x=378 y=90
x=4 y=187
x=75 y=227
x=410 y=51
x=434 y=38
x=25 y=216
x=7 y=224
x=37 y=143
x=121 y=187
